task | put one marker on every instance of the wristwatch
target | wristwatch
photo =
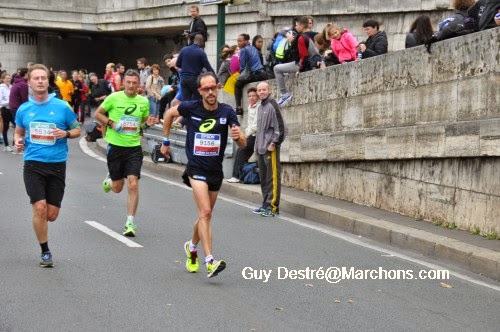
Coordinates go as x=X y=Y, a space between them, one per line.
x=68 y=134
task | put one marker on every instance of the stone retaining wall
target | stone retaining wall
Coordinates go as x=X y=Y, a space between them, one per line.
x=410 y=132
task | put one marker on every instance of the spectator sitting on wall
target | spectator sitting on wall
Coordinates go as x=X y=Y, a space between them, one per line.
x=376 y=44
x=343 y=43
x=225 y=66
x=258 y=42
x=420 y=31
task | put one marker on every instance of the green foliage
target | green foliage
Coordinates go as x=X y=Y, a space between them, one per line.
x=475 y=230
x=438 y=221
x=491 y=236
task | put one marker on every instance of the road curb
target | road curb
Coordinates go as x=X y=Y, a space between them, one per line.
x=479 y=260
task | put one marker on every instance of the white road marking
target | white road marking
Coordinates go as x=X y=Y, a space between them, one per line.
x=320 y=228
x=88 y=151
x=113 y=234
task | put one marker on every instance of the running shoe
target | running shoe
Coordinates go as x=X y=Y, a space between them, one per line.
x=8 y=149
x=192 y=259
x=130 y=229
x=285 y=98
x=259 y=210
x=46 y=259
x=215 y=267
x=268 y=213
x=105 y=184
x=233 y=180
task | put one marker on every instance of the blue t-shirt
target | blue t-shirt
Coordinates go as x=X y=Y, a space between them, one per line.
x=207 y=133
x=38 y=119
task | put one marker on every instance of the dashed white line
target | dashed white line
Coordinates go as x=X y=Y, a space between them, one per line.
x=113 y=234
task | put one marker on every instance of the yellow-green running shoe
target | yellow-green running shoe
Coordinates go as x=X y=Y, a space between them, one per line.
x=215 y=267
x=192 y=259
x=105 y=184
x=130 y=229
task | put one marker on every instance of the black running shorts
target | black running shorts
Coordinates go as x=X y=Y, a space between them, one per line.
x=45 y=181
x=212 y=178
x=124 y=161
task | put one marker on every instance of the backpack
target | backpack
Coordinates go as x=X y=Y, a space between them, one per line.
x=249 y=173
x=157 y=157
x=458 y=25
x=93 y=131
x=281 y=48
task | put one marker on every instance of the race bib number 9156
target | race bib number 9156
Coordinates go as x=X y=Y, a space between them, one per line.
x=206 y=144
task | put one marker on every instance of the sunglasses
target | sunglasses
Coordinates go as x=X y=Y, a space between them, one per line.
x=208 y=88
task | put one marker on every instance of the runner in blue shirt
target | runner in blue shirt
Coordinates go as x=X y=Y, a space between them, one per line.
x=43 y=125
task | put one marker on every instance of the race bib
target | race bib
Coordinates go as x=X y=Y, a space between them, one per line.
x=42 y=133
x=206 y=144
x=130 y=124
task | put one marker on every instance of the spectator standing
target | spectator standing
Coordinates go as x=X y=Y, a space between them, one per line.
x=98 y=89
x=250 y=63
x=65 y=87
x=420 y=31
x=124 y=113
x=6 y=115
x=113 y=77
x=208 y=123
x=18 y=93
x=76 y=97
x=172 y=95
x=344 y=44
x=192 y=61
x=196 y=27
x=271 y=131
x=45 y=153
x=154 y=83
x=376 y=44
x=120 y=69
x=244 y=153
x=84 y=97
x=144 y=72
x=53 y=88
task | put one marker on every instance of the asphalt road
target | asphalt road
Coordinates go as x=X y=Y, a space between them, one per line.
x=102 y=284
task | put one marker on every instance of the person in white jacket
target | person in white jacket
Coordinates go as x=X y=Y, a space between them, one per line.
x=6 y=116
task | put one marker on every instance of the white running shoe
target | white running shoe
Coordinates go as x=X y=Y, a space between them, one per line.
x=233 y=180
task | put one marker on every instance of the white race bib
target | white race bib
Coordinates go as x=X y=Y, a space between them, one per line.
x=206 y=144
x=42 y=133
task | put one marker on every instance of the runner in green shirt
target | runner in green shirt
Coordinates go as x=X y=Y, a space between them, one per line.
x=124 y=113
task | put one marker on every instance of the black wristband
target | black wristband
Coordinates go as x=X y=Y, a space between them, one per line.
x=68 y=134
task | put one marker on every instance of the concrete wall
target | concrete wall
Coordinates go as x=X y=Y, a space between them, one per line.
x=409 y=131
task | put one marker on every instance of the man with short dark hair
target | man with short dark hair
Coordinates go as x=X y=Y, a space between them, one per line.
x=299 y=53
x=208 y=124
x=197 y=26
x=124 y=113
x=144 y=72
x=192 y=60
x=44 y=124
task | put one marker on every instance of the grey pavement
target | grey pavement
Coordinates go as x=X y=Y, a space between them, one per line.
x=471 y=252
